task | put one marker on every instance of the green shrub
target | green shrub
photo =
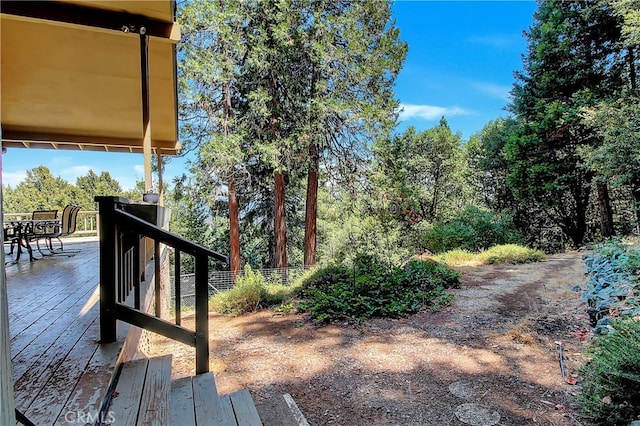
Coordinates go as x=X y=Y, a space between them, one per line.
x=457 y=257
x=250 y=291
x=610 y=394
x=245 y=296
x=475 y=230
x=371 y=288
x=275 y=293
x=510 y=253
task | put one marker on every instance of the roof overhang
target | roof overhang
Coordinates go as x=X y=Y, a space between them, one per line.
x=72 y=78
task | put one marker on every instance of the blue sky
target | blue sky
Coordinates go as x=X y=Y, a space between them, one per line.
x=460 y=65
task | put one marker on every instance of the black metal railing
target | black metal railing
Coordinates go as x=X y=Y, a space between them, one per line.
x=122 y=271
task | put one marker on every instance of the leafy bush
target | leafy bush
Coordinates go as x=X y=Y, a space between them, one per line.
x=250 y=291
x=474 y=230
x=610 y=394
x=371 y=288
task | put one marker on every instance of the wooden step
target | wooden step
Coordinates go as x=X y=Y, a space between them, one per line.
x=87 y=399
x=195 y=401
x=141 y=394
x=244 y=408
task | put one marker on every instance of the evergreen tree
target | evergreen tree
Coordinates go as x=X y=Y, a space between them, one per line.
x=572 y=61
x=422 y=173
x=93 y=185
x=40 y=190
x=211 y=53
x=304 y=80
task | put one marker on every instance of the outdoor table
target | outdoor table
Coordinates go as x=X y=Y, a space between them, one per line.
x=20 y=232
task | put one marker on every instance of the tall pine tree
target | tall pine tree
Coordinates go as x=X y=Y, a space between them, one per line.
x=572 y=61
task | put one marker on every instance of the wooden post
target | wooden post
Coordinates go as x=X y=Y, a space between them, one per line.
x=202 y=313
x=146 y=116
x=7 y=402
x=157 y=283
x=108 y=269
x=160 y=182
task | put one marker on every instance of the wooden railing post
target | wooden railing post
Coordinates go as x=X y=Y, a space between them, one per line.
x=108 y=268
x=120 y=255
x=202 y=314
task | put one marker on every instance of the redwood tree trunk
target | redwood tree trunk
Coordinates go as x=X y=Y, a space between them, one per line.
x=606 y=213
x=279 y=225
x=234 y=225
x=311 y=213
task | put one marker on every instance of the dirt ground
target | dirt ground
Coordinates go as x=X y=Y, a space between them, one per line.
x=492 y=357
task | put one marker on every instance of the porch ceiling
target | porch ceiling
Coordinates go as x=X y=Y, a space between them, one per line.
x=71 y=76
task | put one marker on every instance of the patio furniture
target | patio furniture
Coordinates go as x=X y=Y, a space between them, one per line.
x=44 y=223
x=48 y=229
x=17 y=233
x=10 y=236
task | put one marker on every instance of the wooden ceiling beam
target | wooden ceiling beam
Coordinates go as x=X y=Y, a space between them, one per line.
x=87 y=16
x=13 y=138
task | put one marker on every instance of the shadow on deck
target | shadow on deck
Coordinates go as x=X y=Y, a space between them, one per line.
x=60 y=370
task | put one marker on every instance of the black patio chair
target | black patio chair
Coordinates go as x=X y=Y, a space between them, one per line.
x=44 y=223
x=48 y=230
x=10 y=234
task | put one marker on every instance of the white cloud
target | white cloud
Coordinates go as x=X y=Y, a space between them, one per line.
x=13 y=179
x=70 y=174
x=126 y=182
x=494 y=90
x=60 y=160
x=128 y=177
x=429 y=112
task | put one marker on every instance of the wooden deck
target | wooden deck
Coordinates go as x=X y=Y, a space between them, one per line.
x=60 y=371
x=62 y=375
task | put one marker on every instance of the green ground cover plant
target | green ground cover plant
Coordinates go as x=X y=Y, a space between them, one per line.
x=612 y=288
x=372 y=288
x=610 y=393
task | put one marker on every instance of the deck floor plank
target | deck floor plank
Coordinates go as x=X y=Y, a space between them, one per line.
x=41 y=334
x=44 y=300
x=181 y=405
x=52 y=398
x=126 y=404
x=33 y=372
x=43 y=285
x=93 y=385
x=244 y=408
x=154 y=403
x=57 y=362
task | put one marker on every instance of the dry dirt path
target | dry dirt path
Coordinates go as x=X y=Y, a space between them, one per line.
x=490 y=358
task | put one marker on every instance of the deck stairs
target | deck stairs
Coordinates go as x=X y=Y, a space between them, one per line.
x=145 y=394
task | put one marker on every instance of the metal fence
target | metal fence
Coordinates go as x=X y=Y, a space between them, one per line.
x=223 y=280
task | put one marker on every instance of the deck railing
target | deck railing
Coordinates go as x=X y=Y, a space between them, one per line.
x=125 y=229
